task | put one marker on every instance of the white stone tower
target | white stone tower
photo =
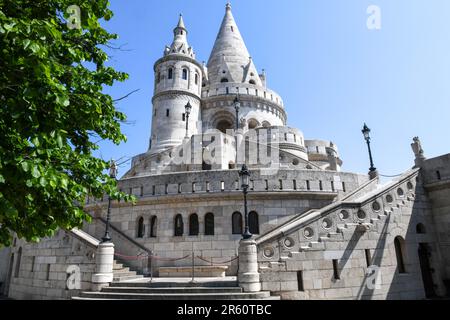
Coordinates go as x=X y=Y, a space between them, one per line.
x=178 y=80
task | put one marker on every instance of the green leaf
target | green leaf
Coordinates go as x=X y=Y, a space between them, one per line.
x=59 y=141
x=26 y=43
x=64 y=183
x=35 y=172
x=34 y=47
x=2 y=179
x=25 y=166
x=43 y=181
x=8 y=27
x=52 y=183
x=62 y=100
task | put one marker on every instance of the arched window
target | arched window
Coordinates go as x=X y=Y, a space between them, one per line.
x=209 y=224
x=193 y=225
x=266 y=124
x=19 y=258
x=153 y=227
x=184 y=75
x=178 y=225
x=399 y=244
x=140 y=228
x=236 y=223
x=196 y=78
x=253 y=222
x=253 y=123
x=252 y=82
x=420 y=228
x=224 y=80
x=170 y=74
x=159 y=77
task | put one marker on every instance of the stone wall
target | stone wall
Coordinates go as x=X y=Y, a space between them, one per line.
x=5 y=254
x=327 y=254
x=173 y=194
x=436 y=177
x=42 y=271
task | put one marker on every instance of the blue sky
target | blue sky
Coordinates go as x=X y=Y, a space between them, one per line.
x=333 y=73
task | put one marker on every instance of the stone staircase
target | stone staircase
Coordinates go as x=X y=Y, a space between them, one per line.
x=175 y=289
x=349 y=228
x=122 y=273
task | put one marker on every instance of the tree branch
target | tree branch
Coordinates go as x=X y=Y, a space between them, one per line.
x=127 y=95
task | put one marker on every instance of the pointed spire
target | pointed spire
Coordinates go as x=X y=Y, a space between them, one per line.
x=181 y=22
x=180 y=44
x=229 y=49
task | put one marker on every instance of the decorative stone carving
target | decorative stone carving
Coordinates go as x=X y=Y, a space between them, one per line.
x=418 y=152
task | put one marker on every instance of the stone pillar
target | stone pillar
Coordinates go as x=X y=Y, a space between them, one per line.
x=240 y=148
x=104 y=260
x=248 y=276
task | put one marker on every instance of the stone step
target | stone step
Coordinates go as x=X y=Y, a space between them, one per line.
x=123 y=270
x=174 y=296
x=124 y=274
x=316 y=245
x=127 y=278
x=172 y=290
x=334 y=235
x=176 y=284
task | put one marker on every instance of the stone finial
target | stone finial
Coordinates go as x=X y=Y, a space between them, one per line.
x=418 y=152
x=228 y=6
x=242 y=123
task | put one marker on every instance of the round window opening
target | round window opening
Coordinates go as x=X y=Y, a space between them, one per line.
x=389 y=198
x=376 y=206
x=268 y=252
x=327 y=223
x=289 y=242
x=400 y=192
x=409 y=185
x=361 y=215
x=308 y=233
x=343 y=215
x=295 y=162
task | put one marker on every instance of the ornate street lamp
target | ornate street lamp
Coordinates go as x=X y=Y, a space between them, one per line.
x=366 y=133
x=237 y=106
x=244 y=175
x=112 y=174
x=187 y=109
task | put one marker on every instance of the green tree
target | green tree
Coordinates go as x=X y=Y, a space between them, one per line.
x=52 y=106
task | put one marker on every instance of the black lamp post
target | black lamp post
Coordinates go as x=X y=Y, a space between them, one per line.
x=112 y=174
x=366 y=132
x=244 y=175
x=187 y=109
x=237 y=106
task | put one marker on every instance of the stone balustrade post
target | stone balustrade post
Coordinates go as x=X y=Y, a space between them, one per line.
x=104 y=260
x=248 y=276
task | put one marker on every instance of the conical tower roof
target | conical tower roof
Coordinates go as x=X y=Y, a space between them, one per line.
x=230 y=58
x=180 y=44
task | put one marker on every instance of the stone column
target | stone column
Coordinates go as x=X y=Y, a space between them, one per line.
x=248 y=276
x=104 y=260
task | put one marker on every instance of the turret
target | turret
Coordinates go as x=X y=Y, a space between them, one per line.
x=178 y=80
x=232 y=72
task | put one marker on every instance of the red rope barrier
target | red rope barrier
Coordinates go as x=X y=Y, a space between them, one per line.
x=169 y=259
x=130 y=257
x=217 y=263
x=141 y=257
